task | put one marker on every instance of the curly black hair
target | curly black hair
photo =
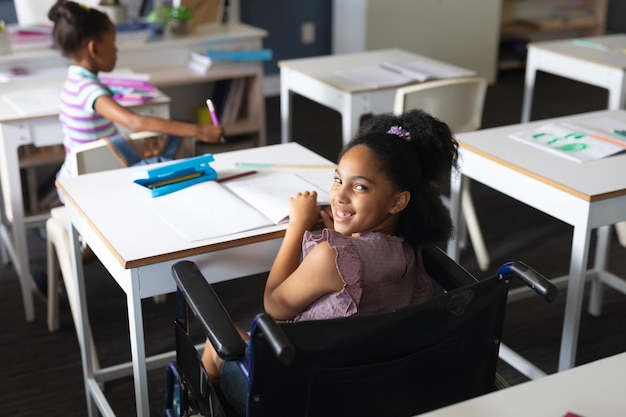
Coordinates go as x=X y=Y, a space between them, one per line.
x=416 y=156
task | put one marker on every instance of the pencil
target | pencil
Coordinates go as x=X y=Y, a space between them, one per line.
x=296 y=167
x=175 y=180
x=235 y=176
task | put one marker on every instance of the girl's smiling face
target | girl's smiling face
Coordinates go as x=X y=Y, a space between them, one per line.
x=362 y=198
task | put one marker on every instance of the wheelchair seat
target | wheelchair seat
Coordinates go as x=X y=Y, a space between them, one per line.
x=398 y=363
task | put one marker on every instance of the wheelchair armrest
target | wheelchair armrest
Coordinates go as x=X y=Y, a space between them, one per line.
x=208 y=310
x=275 y=336
x=448 y=274
x=531 y=278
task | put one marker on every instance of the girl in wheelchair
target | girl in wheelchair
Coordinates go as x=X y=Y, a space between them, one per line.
x=385 y=204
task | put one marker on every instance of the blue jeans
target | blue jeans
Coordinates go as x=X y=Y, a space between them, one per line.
x=234 y=385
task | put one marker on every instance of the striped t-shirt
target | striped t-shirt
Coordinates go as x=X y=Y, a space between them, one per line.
x=81 y=123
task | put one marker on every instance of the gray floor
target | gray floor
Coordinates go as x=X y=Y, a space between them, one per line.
x=41 y=372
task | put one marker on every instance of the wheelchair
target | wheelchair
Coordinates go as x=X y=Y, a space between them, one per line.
x=398 y=363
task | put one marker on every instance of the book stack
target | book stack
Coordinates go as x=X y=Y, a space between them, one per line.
x=199 y=63
x=131 y=87
x=33 y=36
x=235 y=100
x=240 y=55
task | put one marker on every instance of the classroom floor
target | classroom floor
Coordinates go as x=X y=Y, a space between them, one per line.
x=41 y=371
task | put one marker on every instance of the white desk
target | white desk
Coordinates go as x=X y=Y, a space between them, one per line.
x=18 y=130
x=165 y=59
x=316 y=79
x=588 y=196
x=595 y=389
x=606 y=69
x=138 y=248
x=48 y=67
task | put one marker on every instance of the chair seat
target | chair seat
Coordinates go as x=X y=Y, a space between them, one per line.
x=459 y=103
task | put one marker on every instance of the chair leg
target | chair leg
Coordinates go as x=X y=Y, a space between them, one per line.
x=4 y=253
x=72 y=297
x=54 y=275
x=473 y=228
x=620 y=228
x=59 y=264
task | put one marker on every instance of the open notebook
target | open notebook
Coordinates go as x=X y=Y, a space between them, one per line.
x=210 y=209
x=581 y=141
x=391 y=74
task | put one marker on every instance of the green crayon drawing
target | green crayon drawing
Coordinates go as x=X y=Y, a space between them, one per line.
x=573 y=147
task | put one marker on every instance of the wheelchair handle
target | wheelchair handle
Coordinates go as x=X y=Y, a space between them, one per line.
x=531 y=278
x=276 y=338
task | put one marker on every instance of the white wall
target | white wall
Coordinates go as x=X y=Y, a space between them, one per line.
x=30 y=12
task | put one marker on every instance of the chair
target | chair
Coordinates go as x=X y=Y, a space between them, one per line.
x=399 y=363
x=91 y=157
x=459 y=103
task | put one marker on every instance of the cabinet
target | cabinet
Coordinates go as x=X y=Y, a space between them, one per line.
x=463 y=33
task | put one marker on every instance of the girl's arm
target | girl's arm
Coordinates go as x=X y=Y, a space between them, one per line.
x=116 y=113
x=293 y=285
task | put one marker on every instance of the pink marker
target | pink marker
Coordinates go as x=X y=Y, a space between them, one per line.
x=214 y=118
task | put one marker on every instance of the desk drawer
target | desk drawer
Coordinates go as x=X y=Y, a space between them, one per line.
x=161 y=110
x=41 y=132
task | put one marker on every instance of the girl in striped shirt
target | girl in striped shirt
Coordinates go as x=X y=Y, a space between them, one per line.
x=88 y=110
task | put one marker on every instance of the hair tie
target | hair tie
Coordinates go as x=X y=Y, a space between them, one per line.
x=84 y=6
x=400 y=132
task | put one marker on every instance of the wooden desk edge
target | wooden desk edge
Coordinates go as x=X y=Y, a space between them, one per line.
x=200 y=250
x=545 y=180
x=174 y=255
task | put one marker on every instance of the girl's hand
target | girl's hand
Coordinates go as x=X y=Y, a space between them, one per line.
x=327 y=217
x=303 y=210
x=209 y=133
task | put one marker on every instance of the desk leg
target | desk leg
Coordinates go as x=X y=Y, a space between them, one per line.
x=137 y=345
x=600 y=264
x=15 y=234
x=4 y=254
x=286 y=106
x=529 y=85
x=456 y=190
x=353 y=108
x=617 y=100
x=617 y=89
x=575 y=291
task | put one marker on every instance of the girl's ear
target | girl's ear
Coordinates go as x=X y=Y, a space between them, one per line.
x=92 y=48
x=400 y=201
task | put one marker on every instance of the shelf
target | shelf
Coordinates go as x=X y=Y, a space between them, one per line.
x=524 y=21
x=182 y=75
x=36 y=157
x=530 y=18
x=551 y=25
